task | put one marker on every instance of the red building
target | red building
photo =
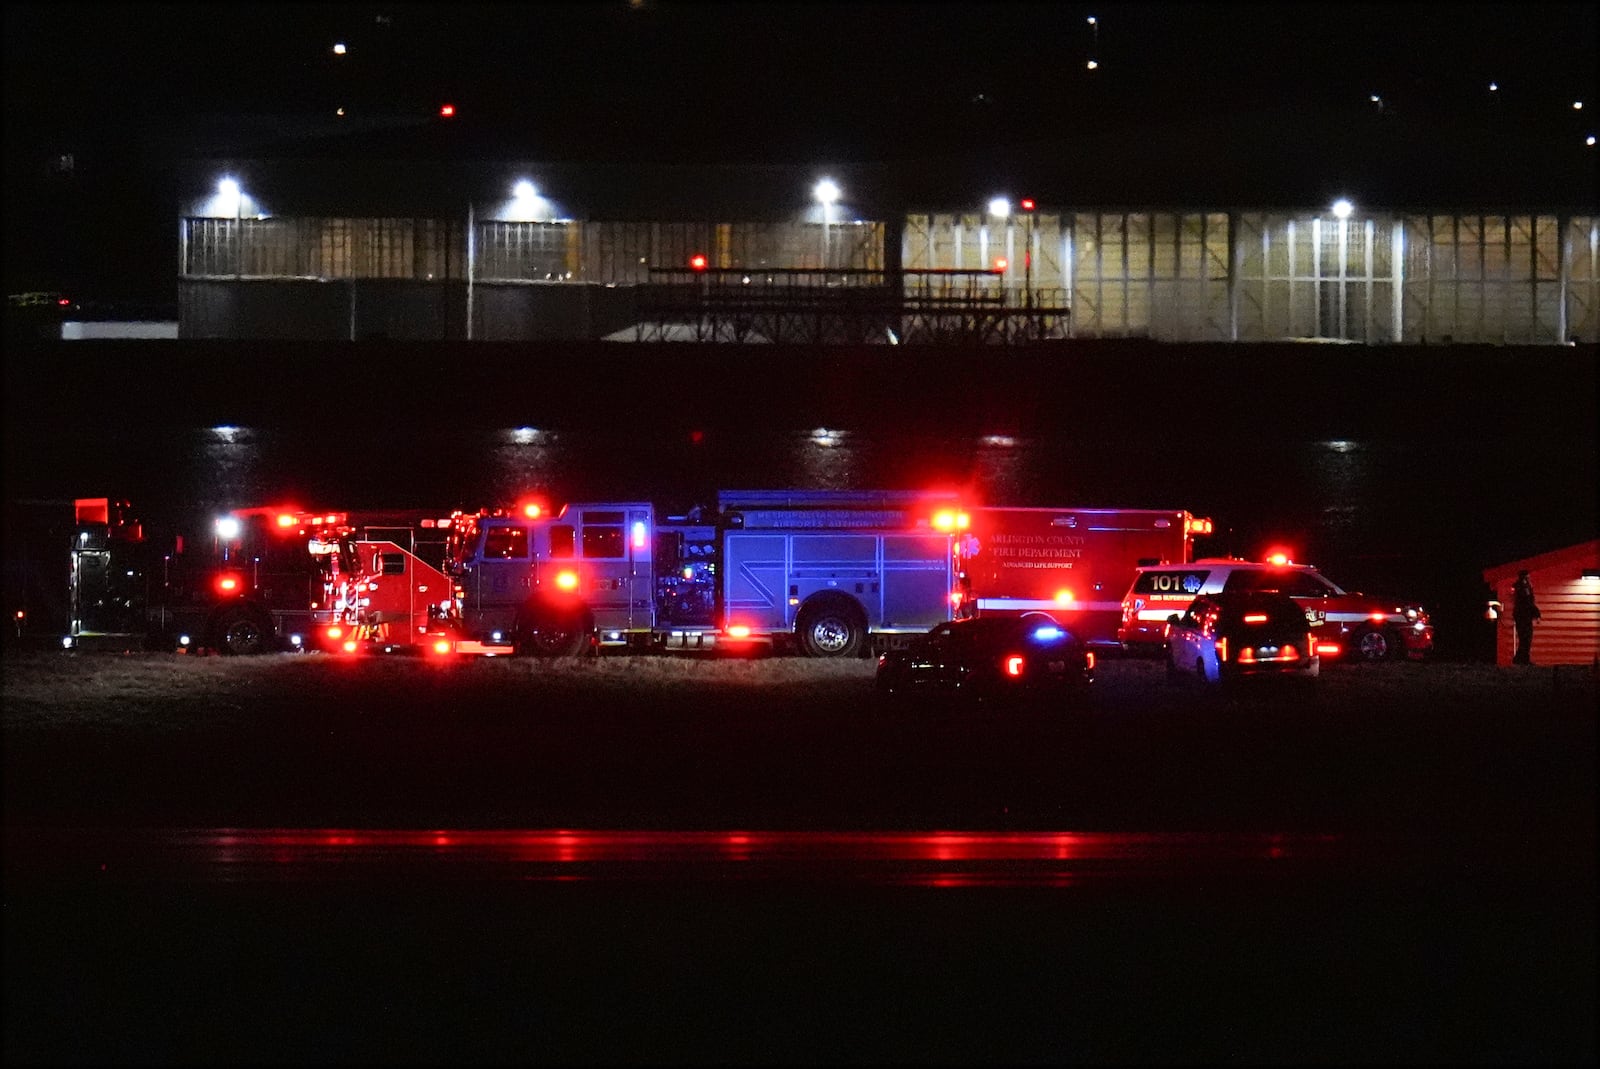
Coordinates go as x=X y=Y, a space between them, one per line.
x=1566 y=587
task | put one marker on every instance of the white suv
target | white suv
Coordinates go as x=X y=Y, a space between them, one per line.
x=1349 y=624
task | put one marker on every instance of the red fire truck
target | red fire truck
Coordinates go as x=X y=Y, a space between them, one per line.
x=836 y=574
x=386 y=590
x=1073 y=563
x=241 y=582
x=251 y=580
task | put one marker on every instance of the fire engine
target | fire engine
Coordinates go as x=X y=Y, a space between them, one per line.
x=251 y=580
x=834 y=573
x=245 y=584
x=1072 y=563
x=385 y=589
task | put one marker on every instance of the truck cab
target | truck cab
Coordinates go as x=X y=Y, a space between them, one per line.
x=544 y=583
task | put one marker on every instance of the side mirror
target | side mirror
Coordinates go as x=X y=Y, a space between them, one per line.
x=1174 y=620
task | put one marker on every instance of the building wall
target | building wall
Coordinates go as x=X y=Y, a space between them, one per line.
x=1568 y=630
x=1176 y=276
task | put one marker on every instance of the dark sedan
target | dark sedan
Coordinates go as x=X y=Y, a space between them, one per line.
x=990 y=658
x=1242 y=633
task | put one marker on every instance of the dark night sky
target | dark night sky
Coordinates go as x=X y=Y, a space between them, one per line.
x=126 y=87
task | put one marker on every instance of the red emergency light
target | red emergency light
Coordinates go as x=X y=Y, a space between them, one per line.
x=1027 y=204
x=227 y=583
x=697 y=262
x=447 y=111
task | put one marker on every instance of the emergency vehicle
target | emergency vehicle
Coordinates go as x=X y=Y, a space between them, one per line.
x=385 y=588
x=250 y=580
x=834 y=573
x=1348 y=624
x=1072 y=563
x=243 y=583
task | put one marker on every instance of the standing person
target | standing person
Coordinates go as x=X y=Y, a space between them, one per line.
x=1523 y=613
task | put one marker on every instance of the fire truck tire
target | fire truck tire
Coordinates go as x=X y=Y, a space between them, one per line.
x=831 y=627
x=1373 y=644
x=243 y=631
x=554 y=636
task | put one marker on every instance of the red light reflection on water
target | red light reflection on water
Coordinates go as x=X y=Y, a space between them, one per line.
x=932 y=858
x=943 y=858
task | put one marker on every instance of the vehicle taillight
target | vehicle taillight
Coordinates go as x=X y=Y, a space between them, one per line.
x=335 y=632
x=1014 y=665
x=1222 y=649
x=1329 y=649
x=441 y=646
x=567 y=580
x=228 y=584
x=1255 y=617
x=1088 y=660
x=738 y=631
x=350 y=646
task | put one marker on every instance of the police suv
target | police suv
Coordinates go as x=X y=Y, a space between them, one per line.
x=1348 y=624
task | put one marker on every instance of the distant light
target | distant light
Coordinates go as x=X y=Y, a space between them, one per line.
x=1093 y=64
x=1494 y=87
x=826 y=191
x=228 y=188
x=1577 y=105
x=1027 y=204
x=1589 y=141
x=525 y=189
x=697 y=262
x=339 y=111
x=447 y=111
x=227 y=528
x=999 y=263
x=339 y=49
x=1342 y=209
x=999 y=207
x=1092 y=20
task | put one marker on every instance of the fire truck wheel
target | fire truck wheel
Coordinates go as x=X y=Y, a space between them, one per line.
x=563 y=637
x=1373 y=644
x=243 y=631
x=830 y=627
